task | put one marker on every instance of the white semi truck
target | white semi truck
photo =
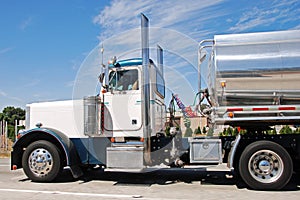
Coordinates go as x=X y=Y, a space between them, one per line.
x=252 y=83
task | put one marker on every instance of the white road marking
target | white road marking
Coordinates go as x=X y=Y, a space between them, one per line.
x=4 y=165
x=73 y=193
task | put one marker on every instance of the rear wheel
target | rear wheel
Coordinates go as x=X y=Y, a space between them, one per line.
x=265 y=165
x=41 y=161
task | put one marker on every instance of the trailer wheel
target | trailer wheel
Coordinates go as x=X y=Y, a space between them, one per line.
x=265 y=165
x=41 y=161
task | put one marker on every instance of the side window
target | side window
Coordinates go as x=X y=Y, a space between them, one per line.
x=112 y=80
x=124 y=80
x=160 y=85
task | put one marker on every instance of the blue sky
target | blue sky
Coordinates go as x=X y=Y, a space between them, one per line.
x=46 y=45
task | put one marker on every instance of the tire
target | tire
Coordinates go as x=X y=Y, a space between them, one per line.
x=265 y=165
x=41 y=161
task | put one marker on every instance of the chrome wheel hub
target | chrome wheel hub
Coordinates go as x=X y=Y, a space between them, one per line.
x=265 y=166
x=40 y=162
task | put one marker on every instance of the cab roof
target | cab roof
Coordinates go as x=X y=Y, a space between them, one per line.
x=128 y=62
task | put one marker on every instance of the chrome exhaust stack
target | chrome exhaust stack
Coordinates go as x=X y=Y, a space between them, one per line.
x=146 y=89
x=160 y=62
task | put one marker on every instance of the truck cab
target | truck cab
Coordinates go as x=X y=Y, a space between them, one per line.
x=122 y=99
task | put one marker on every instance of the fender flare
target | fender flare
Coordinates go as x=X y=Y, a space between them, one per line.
x=69 y=153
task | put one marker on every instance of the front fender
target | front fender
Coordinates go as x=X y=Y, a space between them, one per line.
x=69 y=153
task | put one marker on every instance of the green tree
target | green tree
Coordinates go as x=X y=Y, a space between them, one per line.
x=229 y=131
x=210 y=132
x=204 y=130
x=272 y=131
x=235 y=131
x=11 y=115
x=286 y=130
x=188 y=132
x=1 y=116
x=224 y=132
x=297 y=131
x=197 y=131
x=243 y=132
x=168 y=131
x=203 y=106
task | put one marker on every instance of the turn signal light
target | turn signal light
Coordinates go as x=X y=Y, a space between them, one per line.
x=223 y=84
x=230 y=114
x=112 y=140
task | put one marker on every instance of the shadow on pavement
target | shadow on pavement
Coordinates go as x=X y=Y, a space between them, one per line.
x=166 y=177
x=161 y=177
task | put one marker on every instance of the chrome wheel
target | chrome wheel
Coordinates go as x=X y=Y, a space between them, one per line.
x=40 y=162
x=266 y=166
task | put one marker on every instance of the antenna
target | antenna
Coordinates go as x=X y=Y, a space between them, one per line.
x=104 y=70
x=102 y=52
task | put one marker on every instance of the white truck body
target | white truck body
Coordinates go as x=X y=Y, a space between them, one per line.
x=60 y=115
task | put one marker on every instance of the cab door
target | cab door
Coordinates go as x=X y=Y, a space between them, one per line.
x=123 y=115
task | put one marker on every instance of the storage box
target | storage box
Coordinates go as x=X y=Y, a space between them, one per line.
x=205 y=151
x=125 y=157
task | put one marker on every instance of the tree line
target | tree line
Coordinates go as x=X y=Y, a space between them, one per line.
x=11 y=115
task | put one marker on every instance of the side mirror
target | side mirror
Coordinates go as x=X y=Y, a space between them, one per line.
x=101 y=77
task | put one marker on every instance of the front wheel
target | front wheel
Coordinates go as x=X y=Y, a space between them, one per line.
x=265 y=165
x=41 y=161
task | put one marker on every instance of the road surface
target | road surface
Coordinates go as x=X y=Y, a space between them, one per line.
x=163 y=184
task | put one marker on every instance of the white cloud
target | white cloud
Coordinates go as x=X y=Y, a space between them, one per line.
x=3 y=93
x=5 y=50
x=25 y=23
x=267 y=13
x=6 y=96
x=75 y=64
x=173 y=25
x=183 y=16
x=180 y=54
x=69 y=83
x=296 y=27
x=32 y=83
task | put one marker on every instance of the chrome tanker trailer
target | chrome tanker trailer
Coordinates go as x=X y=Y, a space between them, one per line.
x=253 y=85
x=254 y=79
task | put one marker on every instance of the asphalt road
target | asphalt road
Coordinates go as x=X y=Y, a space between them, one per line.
x=161 y=184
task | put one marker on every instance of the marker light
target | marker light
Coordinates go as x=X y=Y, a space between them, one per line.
x=39 y=125
x=223 y=84
x=112 y=140
x=112 y=61
x=230 y=114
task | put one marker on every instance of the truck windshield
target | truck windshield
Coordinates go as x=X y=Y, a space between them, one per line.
x=124 y=80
